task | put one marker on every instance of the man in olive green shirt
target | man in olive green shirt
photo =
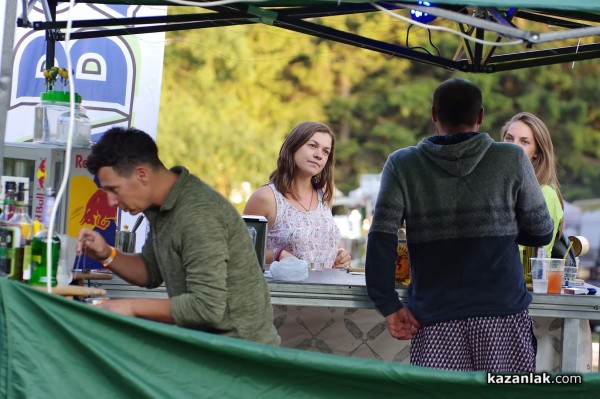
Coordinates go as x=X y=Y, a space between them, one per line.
x=198 y=244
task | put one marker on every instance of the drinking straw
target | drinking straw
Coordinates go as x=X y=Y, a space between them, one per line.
x=567 y=252
x=141 y=217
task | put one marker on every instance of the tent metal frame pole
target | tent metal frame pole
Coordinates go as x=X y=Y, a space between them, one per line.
x=51 y=35
x=8 y=42
x=479 y=58
x=366 y=43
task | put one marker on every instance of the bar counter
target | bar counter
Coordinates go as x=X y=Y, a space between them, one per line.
x=339 y=289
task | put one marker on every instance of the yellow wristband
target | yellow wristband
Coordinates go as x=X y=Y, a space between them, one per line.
x=109 y=260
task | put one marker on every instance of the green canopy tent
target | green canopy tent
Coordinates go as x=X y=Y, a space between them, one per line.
x=52 y=347
x=555 y=22
x=548 y=32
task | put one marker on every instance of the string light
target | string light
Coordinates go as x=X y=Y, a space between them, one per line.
x=420 y=16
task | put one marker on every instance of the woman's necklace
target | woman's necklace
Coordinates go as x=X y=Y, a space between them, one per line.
x=309 y=205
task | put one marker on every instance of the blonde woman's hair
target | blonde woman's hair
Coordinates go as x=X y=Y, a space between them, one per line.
x=544 y=164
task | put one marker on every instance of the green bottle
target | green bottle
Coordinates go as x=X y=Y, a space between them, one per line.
x=39 y=269
x=6 y=244
x=39 y=259
x=4 y=259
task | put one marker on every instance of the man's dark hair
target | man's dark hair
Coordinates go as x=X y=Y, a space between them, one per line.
x=457 y=102
x=123 y=150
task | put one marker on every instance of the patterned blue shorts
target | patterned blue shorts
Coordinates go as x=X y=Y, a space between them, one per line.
x=494 y=344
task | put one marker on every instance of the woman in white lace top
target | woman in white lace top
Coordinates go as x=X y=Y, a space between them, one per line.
x=297 y=200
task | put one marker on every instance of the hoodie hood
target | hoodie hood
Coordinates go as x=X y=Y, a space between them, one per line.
x=457 y=154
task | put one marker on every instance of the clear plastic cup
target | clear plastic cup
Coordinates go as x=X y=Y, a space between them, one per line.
x=570 y=273
x=552 y=269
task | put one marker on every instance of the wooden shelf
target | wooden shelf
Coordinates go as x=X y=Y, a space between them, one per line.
x=74 y=290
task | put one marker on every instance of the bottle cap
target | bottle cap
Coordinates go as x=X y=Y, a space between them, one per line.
x=59 y=96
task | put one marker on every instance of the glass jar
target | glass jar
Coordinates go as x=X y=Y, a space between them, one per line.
x=82 y=128
x=52 y=105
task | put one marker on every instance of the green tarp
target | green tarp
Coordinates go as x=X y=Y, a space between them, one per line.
x=51 y=347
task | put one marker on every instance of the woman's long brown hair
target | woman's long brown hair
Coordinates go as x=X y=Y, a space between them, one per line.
x=283 y=176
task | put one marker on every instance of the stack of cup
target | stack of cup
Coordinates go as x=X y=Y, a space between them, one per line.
x=539 y=276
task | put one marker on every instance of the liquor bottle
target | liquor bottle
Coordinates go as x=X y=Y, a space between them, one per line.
x=402 y=261
x=27 y=260
x=39 y=259
x=6 y=232
x=26 y=272
x=528 y=253
x=49 y=198
x=8 y=209
x=4 y=260
x=21 y=218
x=22 y=222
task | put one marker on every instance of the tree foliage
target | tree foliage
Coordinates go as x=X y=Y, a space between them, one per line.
x=231 y=94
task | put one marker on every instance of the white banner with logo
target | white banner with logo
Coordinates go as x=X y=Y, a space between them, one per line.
x=118 y=77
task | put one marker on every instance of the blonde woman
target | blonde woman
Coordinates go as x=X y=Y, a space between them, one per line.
x=531 y=133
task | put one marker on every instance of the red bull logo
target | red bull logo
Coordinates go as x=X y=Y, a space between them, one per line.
x=89 y=207
x=41 y=173
x=98 y=212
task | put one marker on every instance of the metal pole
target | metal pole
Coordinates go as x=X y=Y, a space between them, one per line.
x=50 y=36
x=8 y=39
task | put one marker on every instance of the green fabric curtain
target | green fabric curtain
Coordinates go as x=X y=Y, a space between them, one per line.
x=52 y=347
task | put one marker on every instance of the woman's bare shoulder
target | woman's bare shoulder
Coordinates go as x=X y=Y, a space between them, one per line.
x=261 y=202
x=263 y=193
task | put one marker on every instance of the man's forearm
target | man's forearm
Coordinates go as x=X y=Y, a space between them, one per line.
x=153 y=309
x=130 y=267
x=144 y=308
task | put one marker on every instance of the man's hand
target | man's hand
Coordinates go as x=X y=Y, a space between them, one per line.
x=93 y=244
x=402 y=324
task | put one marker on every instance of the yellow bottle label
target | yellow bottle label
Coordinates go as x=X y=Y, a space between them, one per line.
x=25 y=231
